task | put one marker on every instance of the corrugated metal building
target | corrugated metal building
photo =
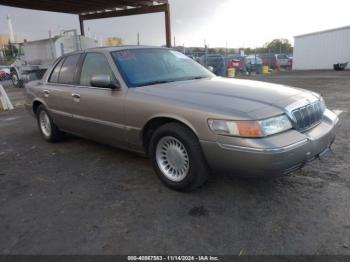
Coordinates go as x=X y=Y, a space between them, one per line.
x=321 y=50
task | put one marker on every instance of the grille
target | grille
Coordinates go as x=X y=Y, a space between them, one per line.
x=308 y=116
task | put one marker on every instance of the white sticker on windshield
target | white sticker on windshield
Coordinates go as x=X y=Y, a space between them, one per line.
x=179 y=55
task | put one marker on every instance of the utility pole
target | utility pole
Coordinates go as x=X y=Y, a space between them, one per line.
x=205 y=53
x=138 y=38
x=51 y=45
x=255 y=57
x=226 y=54
x=12 y=37
x=9 y=23
x=174 y=41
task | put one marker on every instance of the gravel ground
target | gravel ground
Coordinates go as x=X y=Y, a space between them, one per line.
x=79 y=197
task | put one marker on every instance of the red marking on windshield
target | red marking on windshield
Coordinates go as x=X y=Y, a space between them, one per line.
x=126 y=55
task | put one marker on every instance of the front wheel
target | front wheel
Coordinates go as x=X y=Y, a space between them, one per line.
x=16 y=81
x=177 y=157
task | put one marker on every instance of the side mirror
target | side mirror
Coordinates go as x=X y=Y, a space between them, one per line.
x=104 y=81
x=211 y=69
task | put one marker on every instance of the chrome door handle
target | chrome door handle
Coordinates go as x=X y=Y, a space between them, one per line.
x=76 y=96
x=46 y=93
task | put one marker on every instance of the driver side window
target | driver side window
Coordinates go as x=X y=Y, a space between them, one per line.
x=94 y=64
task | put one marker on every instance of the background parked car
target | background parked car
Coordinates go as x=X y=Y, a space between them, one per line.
x=276 y=61
x=242 y=64
x=221 y=63
x=237 y=62
x=217 y=62
x=253 y=63
x=269 y=60
x=283 y=60
x=5 y=73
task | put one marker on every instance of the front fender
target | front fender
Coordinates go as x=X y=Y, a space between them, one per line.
x=176 y=118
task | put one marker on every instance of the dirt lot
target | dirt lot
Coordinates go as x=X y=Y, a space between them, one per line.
x=79 y=197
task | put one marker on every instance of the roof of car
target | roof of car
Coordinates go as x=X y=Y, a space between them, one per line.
x=122 y=47
x=111 y=49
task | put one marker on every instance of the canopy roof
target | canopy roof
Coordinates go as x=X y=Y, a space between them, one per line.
x=80 y=7
x=96 y=9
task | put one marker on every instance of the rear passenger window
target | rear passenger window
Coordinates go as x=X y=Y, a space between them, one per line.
x=56 y=72
x=94 y=64
x=68 y=70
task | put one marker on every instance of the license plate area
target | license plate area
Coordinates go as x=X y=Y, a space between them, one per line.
x=326 y=154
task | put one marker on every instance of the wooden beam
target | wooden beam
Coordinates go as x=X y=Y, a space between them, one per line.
x=167 y=25
x=81 y=22
x=134 y=11
x=76 y=6
x=127 y=12
x=136 y=3
x=38 y=5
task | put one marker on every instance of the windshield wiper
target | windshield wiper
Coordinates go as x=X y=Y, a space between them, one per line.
x=158 y=82
x=195 y=78
x=170 y=81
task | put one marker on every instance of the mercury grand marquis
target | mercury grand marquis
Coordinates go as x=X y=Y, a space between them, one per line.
x=191 y=123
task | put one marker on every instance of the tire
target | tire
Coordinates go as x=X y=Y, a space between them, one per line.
x=48 y=129
x=177 y=157
x=16 y=82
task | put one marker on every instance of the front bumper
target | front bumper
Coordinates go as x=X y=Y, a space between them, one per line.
x=276 y=155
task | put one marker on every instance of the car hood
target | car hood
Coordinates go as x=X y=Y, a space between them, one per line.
x=230 y=96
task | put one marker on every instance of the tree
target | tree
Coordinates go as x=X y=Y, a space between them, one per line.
x=278 y=46
x=114 y=41
x=10 y=51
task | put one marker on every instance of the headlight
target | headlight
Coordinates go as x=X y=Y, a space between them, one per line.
x=260 y=128
x=275 y=125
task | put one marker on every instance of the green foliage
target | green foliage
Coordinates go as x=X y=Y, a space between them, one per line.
x=279 y=46
x=10 y=51
x=222 y=50
x=276 y=46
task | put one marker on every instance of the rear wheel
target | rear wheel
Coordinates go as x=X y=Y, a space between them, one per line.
x=48 y=129
x=177 y=157
x=16 y=81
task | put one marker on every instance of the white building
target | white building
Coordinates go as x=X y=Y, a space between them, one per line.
x=321 y=50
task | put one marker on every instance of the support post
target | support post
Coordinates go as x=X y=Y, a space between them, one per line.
x=81 y=21
x=167 y=25
x=5 y=102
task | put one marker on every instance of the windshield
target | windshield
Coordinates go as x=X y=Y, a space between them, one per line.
x=282 y=57
x=148 y=66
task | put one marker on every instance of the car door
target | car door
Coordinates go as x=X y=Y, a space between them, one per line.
x=58 y=92
x=47 y=92
x=99 y=111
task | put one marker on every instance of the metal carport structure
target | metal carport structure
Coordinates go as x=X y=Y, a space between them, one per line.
x=97 y=9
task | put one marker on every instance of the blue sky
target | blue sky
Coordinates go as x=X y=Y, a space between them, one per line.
x=235 y=22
